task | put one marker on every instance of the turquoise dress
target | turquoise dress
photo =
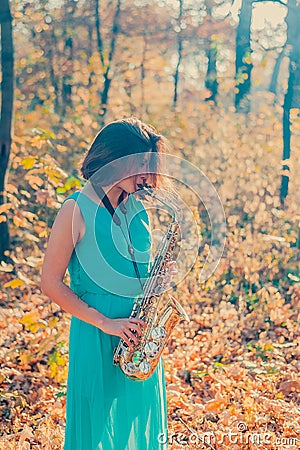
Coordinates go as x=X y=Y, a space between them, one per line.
x=105 y=410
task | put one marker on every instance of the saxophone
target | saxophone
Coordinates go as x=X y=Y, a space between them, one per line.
x=140 y=361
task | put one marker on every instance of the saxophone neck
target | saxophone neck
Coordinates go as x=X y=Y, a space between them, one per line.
x=148 y=190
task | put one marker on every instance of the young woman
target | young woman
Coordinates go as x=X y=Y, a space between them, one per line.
x=105 y=409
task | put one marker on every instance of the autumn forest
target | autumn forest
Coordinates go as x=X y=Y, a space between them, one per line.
x=221 y=81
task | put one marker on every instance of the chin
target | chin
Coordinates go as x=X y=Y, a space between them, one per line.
x=129 y=190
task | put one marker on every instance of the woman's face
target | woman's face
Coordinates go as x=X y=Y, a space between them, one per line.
x=130 y=184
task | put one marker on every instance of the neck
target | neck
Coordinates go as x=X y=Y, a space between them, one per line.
x=113 y=193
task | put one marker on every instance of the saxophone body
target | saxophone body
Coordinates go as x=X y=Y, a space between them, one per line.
x=140 y=361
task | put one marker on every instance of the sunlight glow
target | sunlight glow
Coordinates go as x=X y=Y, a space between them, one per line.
x=262 y=12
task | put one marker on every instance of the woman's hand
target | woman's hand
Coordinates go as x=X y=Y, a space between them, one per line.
x=123 y=328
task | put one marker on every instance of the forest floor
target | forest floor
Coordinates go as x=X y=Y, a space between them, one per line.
x=232 y=379
x=232 y=372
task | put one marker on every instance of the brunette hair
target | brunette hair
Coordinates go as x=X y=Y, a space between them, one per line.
x=122 y=138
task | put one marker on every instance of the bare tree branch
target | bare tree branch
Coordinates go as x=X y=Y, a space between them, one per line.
x=273 y=1
x=266 y=49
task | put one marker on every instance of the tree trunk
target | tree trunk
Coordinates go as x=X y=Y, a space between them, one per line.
x=211 y=81
x=293 y=35
x=89 y=51
x=179 y=54
x=53 y=77
x=243 y=64
x=273 y=83
x=7 y=94
x=66 y=93
x=67 y=78
x=286 y=136
x=143 y=75
x=106 y=65
x=292 y=96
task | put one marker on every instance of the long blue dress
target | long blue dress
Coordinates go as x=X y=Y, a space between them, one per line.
x=105 y=410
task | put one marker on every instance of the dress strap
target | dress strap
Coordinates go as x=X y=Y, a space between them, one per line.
x=74 y=195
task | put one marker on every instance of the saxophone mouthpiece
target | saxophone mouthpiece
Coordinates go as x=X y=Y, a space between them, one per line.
x=143 y=190
x=144 y=186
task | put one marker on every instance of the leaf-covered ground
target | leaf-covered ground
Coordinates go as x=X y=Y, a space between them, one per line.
x=232 y=372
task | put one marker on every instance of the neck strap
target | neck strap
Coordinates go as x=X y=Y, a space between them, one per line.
x=101 y=193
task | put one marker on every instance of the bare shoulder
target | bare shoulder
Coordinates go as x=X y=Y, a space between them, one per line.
x=69 y=220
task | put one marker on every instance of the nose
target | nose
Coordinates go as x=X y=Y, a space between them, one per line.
x=142 y=179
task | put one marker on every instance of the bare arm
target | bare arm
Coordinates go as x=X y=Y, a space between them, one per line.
x=60 y=247
x=64 y=235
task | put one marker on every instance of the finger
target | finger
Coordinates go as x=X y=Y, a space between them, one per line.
x=125 y=339
x=130 y=342
x=131 y=337
x=135 y=338
x=142 y=322
x=135 y=327
x=139 y=322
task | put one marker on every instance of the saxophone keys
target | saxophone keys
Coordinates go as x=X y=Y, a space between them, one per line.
x=126 y=354
x=144 y=367
x=158 y=289
x=137 y=357
x=158 y=333
x=151 y=349
x=151 y=300
x=130 y=368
